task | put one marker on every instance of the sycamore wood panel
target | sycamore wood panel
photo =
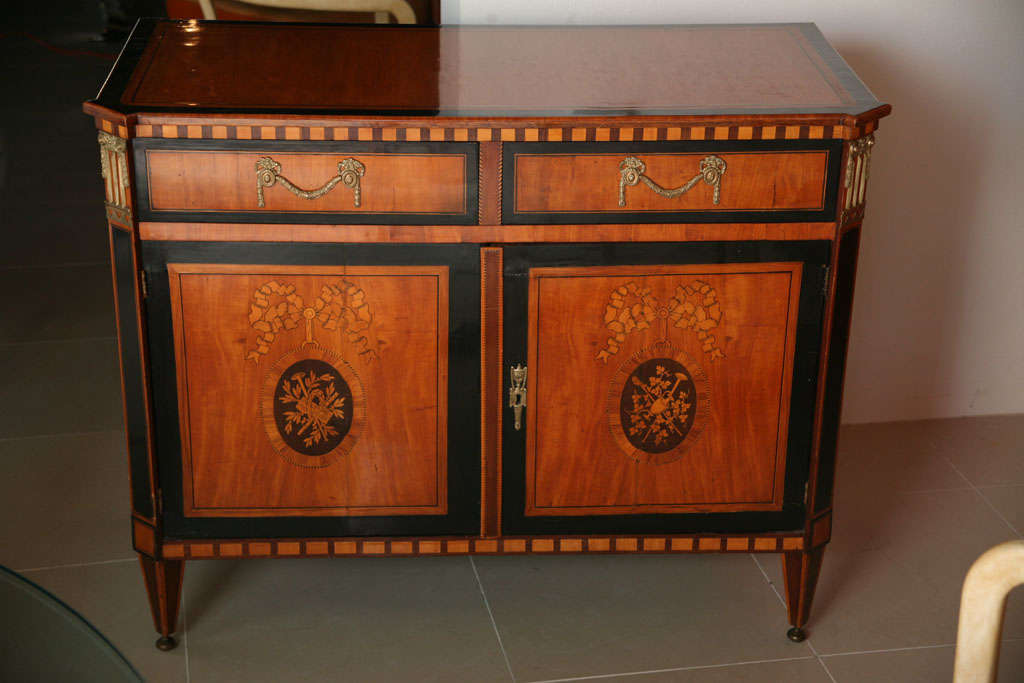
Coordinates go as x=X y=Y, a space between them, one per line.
x=311 y=390
x=181 y=180
x=659 y=388
x=580 y=183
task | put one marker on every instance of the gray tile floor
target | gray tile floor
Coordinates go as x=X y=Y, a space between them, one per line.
x=916 y=502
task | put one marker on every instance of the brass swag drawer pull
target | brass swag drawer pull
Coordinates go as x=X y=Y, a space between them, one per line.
x=631 y=172
x=268 y=172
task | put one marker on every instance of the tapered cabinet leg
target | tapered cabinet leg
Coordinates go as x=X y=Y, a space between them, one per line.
x=163 y=584
x=801 y=569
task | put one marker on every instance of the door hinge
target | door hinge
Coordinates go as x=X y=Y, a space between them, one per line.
x=144 y=279
x=159 y=501
x=824 y=282
x=807 y=486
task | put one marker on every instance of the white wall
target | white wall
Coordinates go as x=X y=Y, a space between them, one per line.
x=938 y=325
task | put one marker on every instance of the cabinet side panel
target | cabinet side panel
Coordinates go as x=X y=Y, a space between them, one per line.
x=836 y=367
x=132 y=369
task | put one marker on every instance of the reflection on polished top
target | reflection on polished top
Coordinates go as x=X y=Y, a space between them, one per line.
x=759 y=69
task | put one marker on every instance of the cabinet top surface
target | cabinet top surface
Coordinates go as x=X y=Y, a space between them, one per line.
x=336 y=69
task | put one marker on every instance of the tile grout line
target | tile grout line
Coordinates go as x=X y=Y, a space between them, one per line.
x=698 y=667
x=894 y=649
x=910 y=648
x=785 y=606
x=984 y=498
x=821 y=661
x=768 y=579
x=494 y=624
x=75 y=564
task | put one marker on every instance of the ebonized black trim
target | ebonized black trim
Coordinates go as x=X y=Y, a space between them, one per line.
x=125 y=278
x=472 y=174
x=826 y=213
x=835 y=367
x=815 y=257
x=463 y=386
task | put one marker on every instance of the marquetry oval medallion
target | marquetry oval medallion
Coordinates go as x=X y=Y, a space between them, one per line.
x=313 y=406
x=658 y=403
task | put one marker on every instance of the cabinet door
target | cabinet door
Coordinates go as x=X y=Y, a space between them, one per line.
x=669 y=387
x=316 y=390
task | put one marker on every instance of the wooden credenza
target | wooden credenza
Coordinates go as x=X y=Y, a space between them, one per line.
x=420 y=291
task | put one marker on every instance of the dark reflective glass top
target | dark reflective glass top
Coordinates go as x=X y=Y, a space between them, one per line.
x=483 y=71
x=45 y=640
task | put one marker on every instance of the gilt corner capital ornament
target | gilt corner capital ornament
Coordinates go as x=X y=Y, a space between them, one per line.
x=114 y=169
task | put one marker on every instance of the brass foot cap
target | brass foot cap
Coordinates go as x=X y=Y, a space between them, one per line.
x=796 y=634
x=166 y=643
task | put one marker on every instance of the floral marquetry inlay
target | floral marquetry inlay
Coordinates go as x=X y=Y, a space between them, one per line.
x=658 y=405
x=658 y=402
x=313 y=406
x=632 y=308
x=342 y=306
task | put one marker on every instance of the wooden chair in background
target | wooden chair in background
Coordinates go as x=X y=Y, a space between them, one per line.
x=383 y=10
x=982 y=606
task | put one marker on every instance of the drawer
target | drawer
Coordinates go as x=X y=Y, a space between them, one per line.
x=307 y=182
x=670 y=182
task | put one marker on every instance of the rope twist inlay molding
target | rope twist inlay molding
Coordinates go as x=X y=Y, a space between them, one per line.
x=631 y=172
x=268 y=173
